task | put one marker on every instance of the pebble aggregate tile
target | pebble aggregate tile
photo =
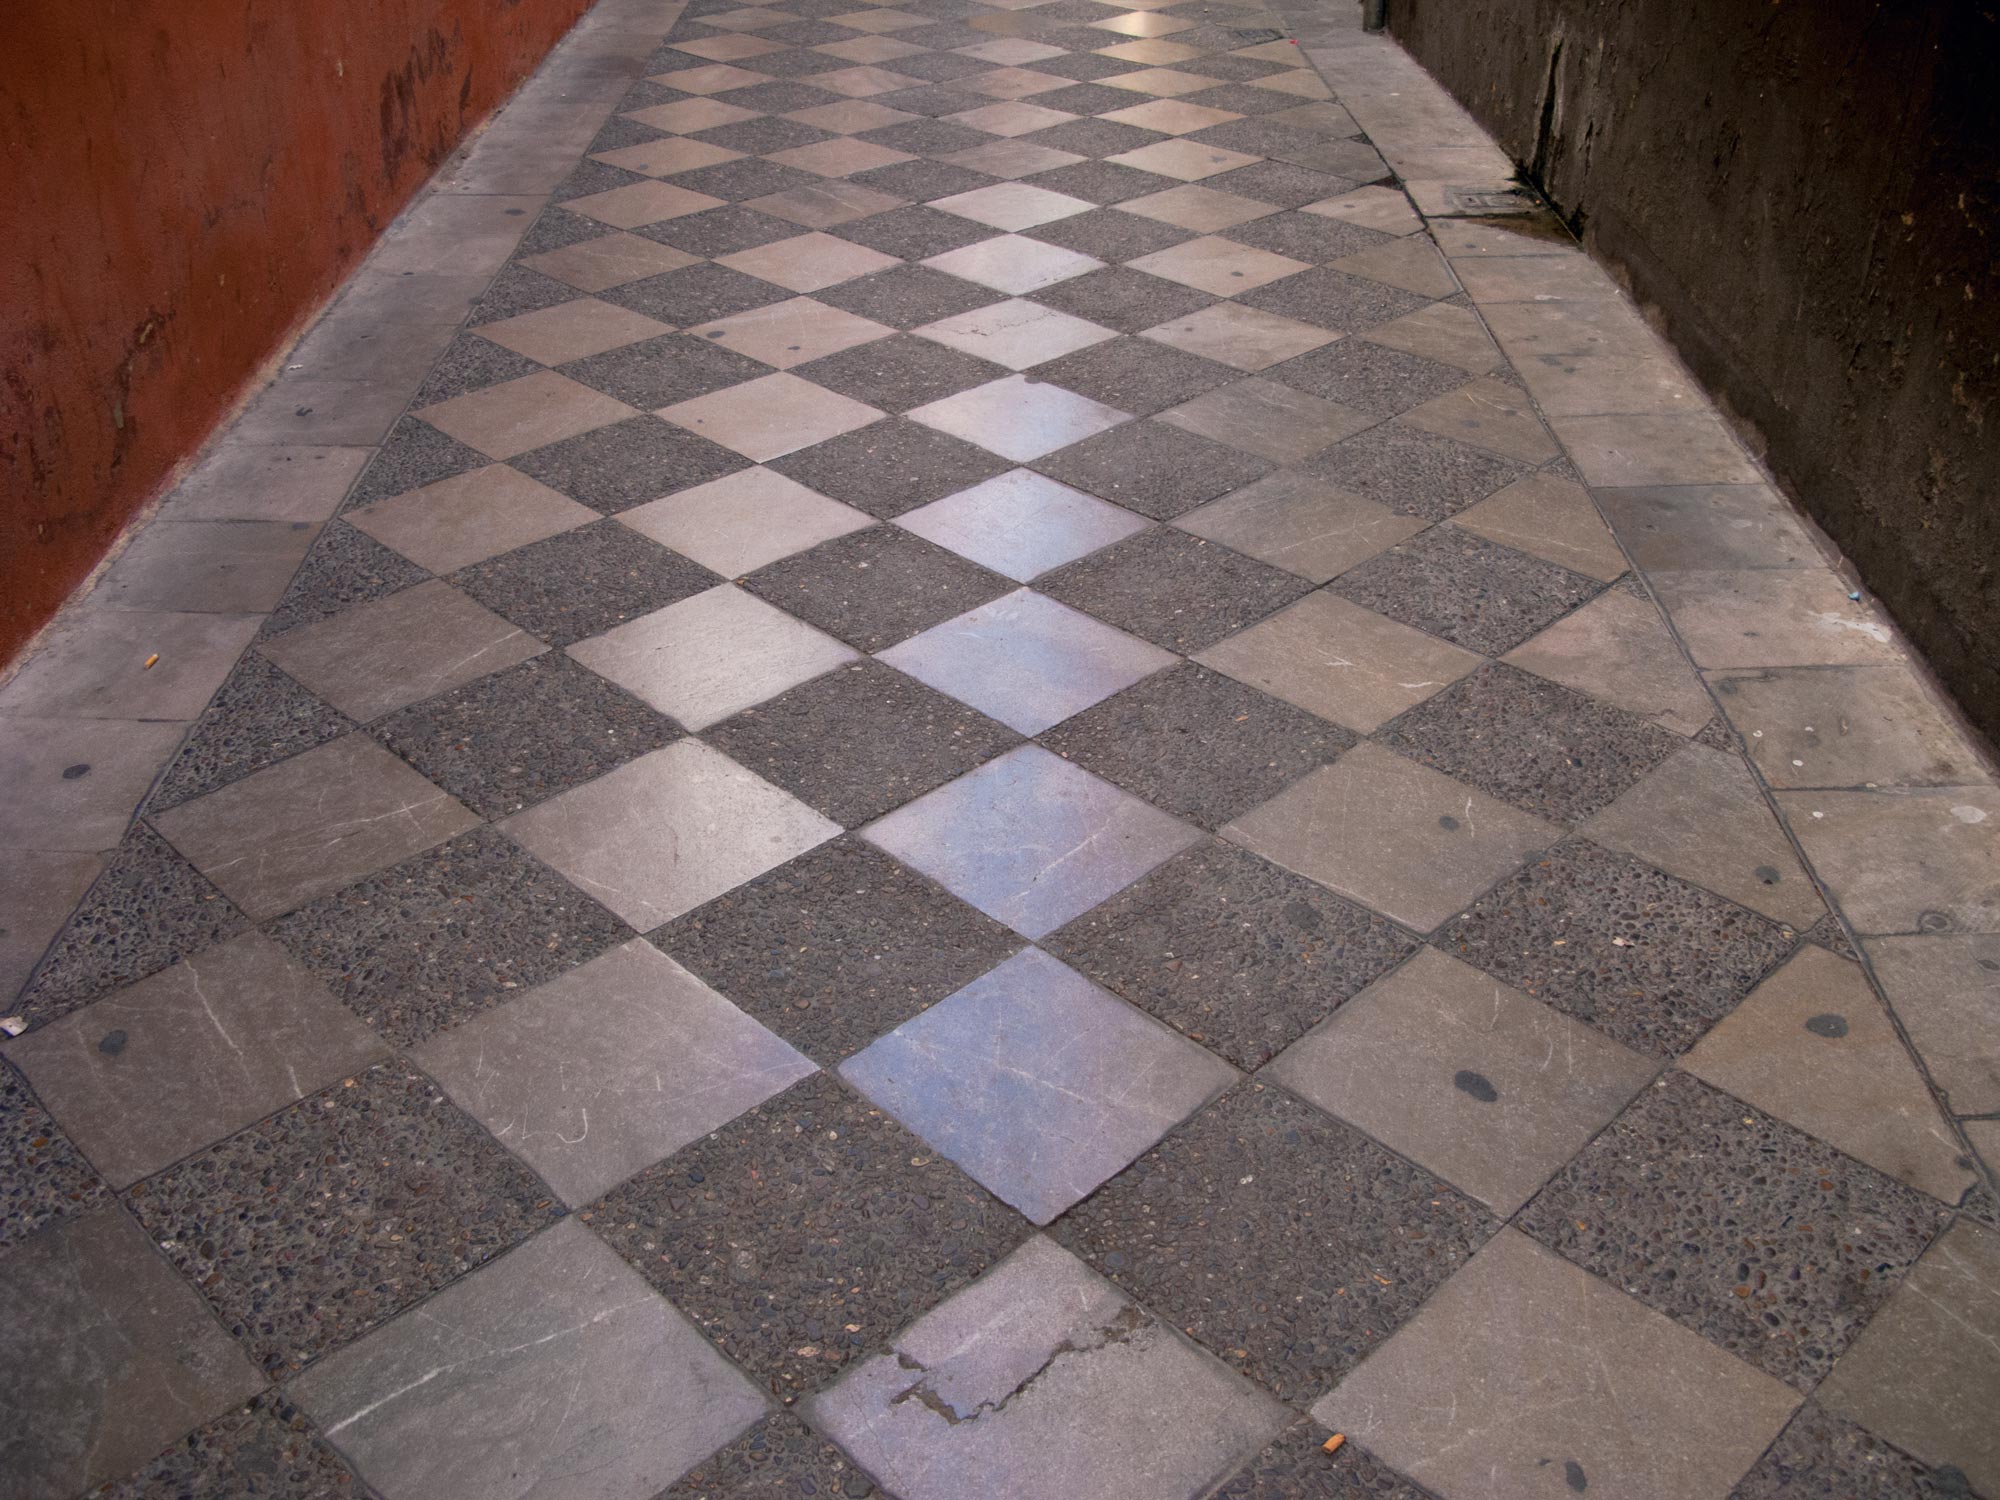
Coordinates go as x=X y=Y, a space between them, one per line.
x=1135 y=375
x=42 y=1175
x=860 y=740
x=1174 y=589
x=1819 y=1454
x=876 y=587
x=488 y=743
x=1531 y=742
x=630 y=462
x=916 y=232
x=433 y=941
x=1109 y=235
x=889 y=467
x=1753 y=1234
x=470 y=363
x=1302 y=236
x=345 y=567
x=1413 y=472
x=147 y=910
x=722 y=231
x=333 y=1215
x=1231 y=950
x=1203 y=746
x=895 y=374
x=653 y=373
x=778 y=1459
x=694 y=295
x=414 y=454
x=1298 y=1467
x=1286 y=1243
x=258 y=717
x=806 y=1232
x=518 y=289
x=837 y=947
x=923 y=181
x=1649 y=960
x=1331 y=299
x=1157 y=470
x=266 y=1448
x=909 y=296
x=1127 y=300
x=1369 y=377
x=581 y=583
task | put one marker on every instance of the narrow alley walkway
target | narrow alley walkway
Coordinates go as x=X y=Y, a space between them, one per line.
x=975 y=805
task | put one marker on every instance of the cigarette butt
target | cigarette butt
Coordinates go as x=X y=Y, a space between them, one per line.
x=150 y=660
x=1332 y=1444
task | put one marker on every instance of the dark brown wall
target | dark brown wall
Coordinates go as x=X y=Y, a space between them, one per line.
x=182 y=181
x=1804 y=193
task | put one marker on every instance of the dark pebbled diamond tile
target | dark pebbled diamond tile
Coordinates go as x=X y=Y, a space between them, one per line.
x=150 y=908
x=1327 y=298
x=1135 y=375
x=803 y=33
x=304 y=1232
x=1121 y=298
x=1157 y=470
x=1091 y=99
x=557 y=228
x=923 y=137
x=932 y=99
x=1475 y=593
x=1086 y=66
x=1102 y=182
x=1755 y=1235
x=762 y=136
x=258 y=717
x=876 y=587
x=889 y=467
x=520 y=289
x=938 y=67
x=921 y=181
x=1531 y=742
x=1227 y=66
x=424 y=945
x=1647 y=959
x=916 y=232
x=595 y=176
x=1826 y=933
x=695 y=294
x=581 y=583
x=1092 y=138
x=628 y=463
x=1369 y=377
x=490 y=743
x=1241 y=955
x=838 y=947
x=898 y=373
x=42 y=1176
x=1110 y=235
x=807 y=1214
x=1414 y=473
x=1307 y=237
x=908 y=296
x=1287 y=1243
x=414 y=454
x=1297 y=1467
x=860 y=740
x=794 y=62
x=661 y=372
x=1174 y=589
x=721 y=231
x=470 y=363
x=1244 y=99
x=1203 y=746
x=1820 y=1457
x=619 y=131
x=781 y=97
x=778 y=1458
x=267 y=1448
x=1278 y=182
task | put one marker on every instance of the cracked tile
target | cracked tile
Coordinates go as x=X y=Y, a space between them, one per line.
x=982 y=1398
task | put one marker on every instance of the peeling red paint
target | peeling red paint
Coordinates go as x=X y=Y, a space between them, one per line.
x=183 y=183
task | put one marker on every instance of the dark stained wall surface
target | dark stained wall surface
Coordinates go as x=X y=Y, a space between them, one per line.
x=184 y=180
x=1806 y=194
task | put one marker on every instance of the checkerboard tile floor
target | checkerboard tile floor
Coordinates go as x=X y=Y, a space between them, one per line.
x=890 y=852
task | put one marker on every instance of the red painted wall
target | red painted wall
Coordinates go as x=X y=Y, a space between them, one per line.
x=182 y=181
